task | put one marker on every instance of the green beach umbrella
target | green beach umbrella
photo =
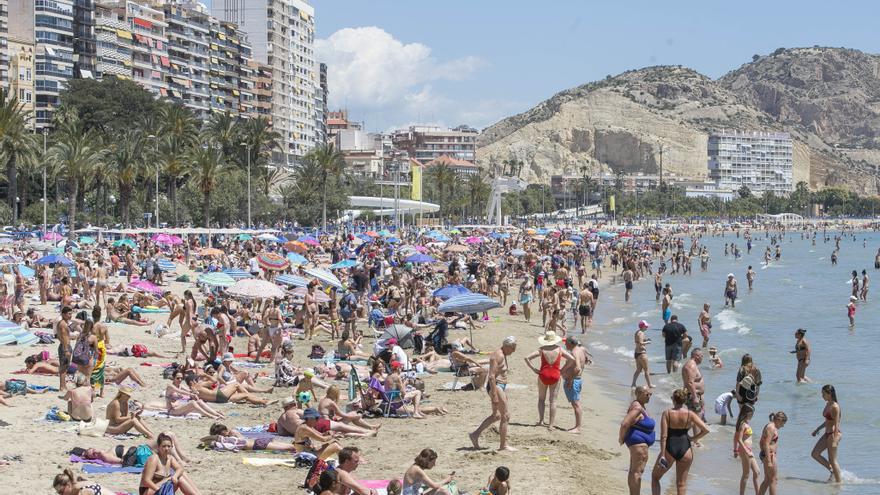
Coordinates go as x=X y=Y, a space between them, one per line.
x=125 y=242
x=216 y=279
x=244 y=237
x=86 y=240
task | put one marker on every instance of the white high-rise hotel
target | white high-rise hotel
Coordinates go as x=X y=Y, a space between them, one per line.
x=759 y=160
x=282 y=34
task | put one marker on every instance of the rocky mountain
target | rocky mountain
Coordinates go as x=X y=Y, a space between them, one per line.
x=827 y=98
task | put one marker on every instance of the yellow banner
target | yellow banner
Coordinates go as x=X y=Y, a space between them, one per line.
x=611 y=202
x=416 y=173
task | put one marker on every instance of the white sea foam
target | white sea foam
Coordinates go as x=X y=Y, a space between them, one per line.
x=623 y=351
x=645 y=314
x=618 y=320
x=599 y=346
x=728 y=319
x=850 y=478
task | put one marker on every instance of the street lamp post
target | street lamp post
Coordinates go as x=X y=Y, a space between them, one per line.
x=153 y=137
x=45 y=166
x=248 y=148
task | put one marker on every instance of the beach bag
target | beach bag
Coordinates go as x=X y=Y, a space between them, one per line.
x=418 y=343
x=81 y=354
x=168 y=372
x=317 y=352
x=138 y=351
x=748 y=389
x=314 y=474
x=16 y=386
x=136 y=456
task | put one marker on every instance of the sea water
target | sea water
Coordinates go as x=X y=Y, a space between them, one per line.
x=801 y=290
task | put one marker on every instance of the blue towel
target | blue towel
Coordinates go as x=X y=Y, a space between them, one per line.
x=94 y=469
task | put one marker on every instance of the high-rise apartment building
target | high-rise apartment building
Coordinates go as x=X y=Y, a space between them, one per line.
x=321 y=94
x=282 y=34
x=762 y=161
x=427 y=143
x=189 y=41
x=4 y=54
x=84 y=42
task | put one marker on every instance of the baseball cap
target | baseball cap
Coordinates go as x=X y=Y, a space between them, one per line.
x=391 y=341
x=311 y=413
x=644 y=324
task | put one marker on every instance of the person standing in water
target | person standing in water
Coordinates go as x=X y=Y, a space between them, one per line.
x=863 y=293
x=658 y=285
x=803 y=350
x=627 y=283
x=750 y=277
x=641 y=354
x=665 y=308
x=830 y=440
x=769 y=446
x=730 y=291
x=855 y=283
x=704 y=323
x=851 y=310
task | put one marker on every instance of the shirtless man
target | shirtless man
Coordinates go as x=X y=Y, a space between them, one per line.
x=290 y=419
x=863 y=294
x=65 y=352
x=750 y=277
x=79 y=399
x=100 y=283
x=665 y=308
x=585 y=308
x=693 y=382
x=495 y=386
x=704 y=323
x=658 y=285
x=571 y=378
x=627 y=283
x=349 y=458
x=730 y=291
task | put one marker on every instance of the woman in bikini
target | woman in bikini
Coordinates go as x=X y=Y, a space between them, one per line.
x=831 y=439
x=802 y=350
x=163 y=468
x=742 y=448
x=675 y=442
x=222 y=438
x=227 y=373
x=769 y=445
x=179 y=402
x=115 y=315
x=232 y=392
x=68 y=483
x=551 y=355
x=330 y=410
x=641 y=354
x=637 y=432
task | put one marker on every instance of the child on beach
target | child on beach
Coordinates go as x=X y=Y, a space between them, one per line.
x=499 y=483
x=851 y=310
x=715 y=358
x=722 y=406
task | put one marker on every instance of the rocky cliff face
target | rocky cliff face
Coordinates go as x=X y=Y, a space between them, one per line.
x=823 y=97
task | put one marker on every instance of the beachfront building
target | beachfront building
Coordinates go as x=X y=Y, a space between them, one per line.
x=84 y=39
x=337 y=121
x=321 y=93
x=282 y=33
x=427 y=143
x=4 y=51
x=462 y=168
x=189 y=41
x=707 y=189
x=21 y=72
x=762 y=161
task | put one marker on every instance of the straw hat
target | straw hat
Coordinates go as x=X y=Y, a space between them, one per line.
x=125 y=390
x=549 y=338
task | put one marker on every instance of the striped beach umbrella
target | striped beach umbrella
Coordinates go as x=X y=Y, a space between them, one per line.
x=216 y=279
x=297 y=259
x=325 y=277
x=146 y=286
x=309 y=240
x=291 y=280
x=253 y=288
x=167 y=265
x=272 y=261
x=237 y=273
x=468 y=303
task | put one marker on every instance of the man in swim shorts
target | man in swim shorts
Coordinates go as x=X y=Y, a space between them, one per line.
x=673 y=333
x=496 y=386
x=571 y=378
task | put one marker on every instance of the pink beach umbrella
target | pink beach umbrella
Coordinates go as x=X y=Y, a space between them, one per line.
x=421 y=249
x=473 y=240
x=146 y=286
x=53 y=236
x=167 y=239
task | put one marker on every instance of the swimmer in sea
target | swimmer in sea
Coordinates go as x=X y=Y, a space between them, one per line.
x=803 y=350
x=730 y=291
x=750 y=276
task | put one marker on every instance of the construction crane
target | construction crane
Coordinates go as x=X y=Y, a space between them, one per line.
x=501 y=186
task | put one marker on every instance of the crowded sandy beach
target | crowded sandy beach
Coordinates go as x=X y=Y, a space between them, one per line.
x=416 y=361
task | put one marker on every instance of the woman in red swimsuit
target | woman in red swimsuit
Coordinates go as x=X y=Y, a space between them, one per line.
x=548 y=374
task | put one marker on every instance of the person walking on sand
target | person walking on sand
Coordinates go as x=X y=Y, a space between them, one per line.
x=641 y=354
x=65 y=351
x=571 y=378
x=549 y=373
x=495 y=386
x=704 y=323
x=830 y=440
x=730 y=291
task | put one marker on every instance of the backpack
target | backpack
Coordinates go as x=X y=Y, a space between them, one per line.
x=81 y=352
x=16 y=386
x=136 y=456
x=747 y=389
x=317 y=352
x=314 y=475
x=138 y=351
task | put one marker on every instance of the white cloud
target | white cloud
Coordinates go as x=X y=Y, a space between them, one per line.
x=368 y=67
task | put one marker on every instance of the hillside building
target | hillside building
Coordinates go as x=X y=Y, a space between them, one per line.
x=762 y=161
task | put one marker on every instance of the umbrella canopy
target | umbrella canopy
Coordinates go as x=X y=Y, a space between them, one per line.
x=8 y=259
x=320 y=296
x=518 y=252
x=364 y=237
x=576 y=237
x=309 y=240
x=420 y=258
x=292 y=280
x=325 y=277
x=297 y=259
x=211 y=252
x=457 y=248
x=237 y=273
x=392 y=240
x=385 y=233
x=455 y=231
x=53 y=236
x=473 y=240
x=57 y=259
x=267 y=237
x=402 y=333
x=86 y=240
x=170 y=240
x=468 y=303
x=372 y=233
x=167 y=265
x=146 y=286
x=253 y=288
x=272 y=261
x=343 y=264
x=450 y=291
x=567 y=243
x=296 y=246
x=245 y=237
x=26 y=271
x=407 y=249
x=125 y=242
x=216 y=279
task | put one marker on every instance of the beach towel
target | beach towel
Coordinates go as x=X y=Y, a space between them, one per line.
x=95 y=469
x=164 y=415
x=263 y=462
x=26 y=372
x=264 y=354
x=157 y=365
x=97 y=462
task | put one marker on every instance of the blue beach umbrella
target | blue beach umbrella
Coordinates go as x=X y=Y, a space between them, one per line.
x=451 y=291
x=86 y=240
x=292 y=280
x=343 y=264
x=325 y=277
x=26 y=271
x=468 y=303
x=56 y=259
x=296 y=259
x=237 y=273
x=392 y=240
x=420 y=258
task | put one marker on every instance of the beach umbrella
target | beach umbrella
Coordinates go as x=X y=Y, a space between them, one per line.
x=567 y=243
x=297 y=259
x=53 y=236
x=421 y=249
x=267 y=237
x=450 y=291
x=8 y=259
x=343 y=264
x=166 y=239
x=62 y=250
x=402 y=333
x=296 y=246
x=253 y=288
x=420 y=258
x=499 y=235
x=364 y=237
x=125 y=242
x=518 y=252
x=576 y=238
x=245 y=237
x=457 y=248
x=392 y=240
x=607 y=235
x=57 y=259
x=455 y=231
x=325 y=277
x=309 y=240
x=272 y=261
x=407 y=249
x=26 y=271
x=86 y=240
x=474 y=240
x=320 y=296
x=539 y=237
x=292 y=280
x=146 y=286
x=385 y=233
x=530 y=231
x=468 y=303
x=442 y=238
x=372 y=233
x=211 y=252
x=216 y=279
x=237 y=273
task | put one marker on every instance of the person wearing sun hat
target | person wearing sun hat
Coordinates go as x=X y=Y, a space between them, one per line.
x=549 y=373
x=730 y=291
x=308 y=439
x=641 y=354
x=120 y=419
x=851 y=310
x=290 y=419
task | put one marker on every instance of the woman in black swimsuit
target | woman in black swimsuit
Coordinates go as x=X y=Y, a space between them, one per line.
x=675 y=443
x=802 y=350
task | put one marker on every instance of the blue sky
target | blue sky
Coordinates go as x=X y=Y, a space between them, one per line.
x=474 y=62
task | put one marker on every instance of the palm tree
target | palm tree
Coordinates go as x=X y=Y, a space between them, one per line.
x=478 y=192
x=75 y=155
x=260 y=141
x=179 y=134
x=330 y=164
x=223 y=131
x=207 y=165
x=445 y=179
x=18 y=147
x=126 y=155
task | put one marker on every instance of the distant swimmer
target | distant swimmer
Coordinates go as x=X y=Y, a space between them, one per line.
x=730 y=291
x=863 y=293
x=704 y=323
x=750 y=277
x=802 y=350
x=833 y=257
x=855 y=283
